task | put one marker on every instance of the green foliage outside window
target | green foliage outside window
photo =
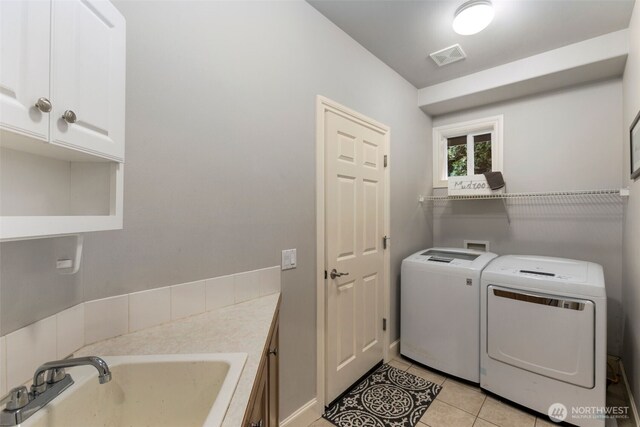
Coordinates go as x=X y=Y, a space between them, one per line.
x=457 y=155
x=482 y=157
x=457 y=164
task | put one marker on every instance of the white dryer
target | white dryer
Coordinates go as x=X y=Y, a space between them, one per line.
x=543 y=335
x=440 y=309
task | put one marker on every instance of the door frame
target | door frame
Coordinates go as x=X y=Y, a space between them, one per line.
x=322 y=106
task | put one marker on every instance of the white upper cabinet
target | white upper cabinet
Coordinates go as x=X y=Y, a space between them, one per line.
x=62 y=117
x=25 y=28
x=63 y=77
x=88 y=77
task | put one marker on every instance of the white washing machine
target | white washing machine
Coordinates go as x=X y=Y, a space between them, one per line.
x=440 y=309
x=543 y=335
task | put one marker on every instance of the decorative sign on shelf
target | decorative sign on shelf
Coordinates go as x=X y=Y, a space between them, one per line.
x=470 y=185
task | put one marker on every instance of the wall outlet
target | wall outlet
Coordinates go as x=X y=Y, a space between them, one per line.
x=289 y=259
x=477 y=245
x=64 y=263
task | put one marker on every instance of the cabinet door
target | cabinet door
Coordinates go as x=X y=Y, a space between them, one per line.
x=88 y=77
x=273 y=382
x=259 y=410
x=24 y=65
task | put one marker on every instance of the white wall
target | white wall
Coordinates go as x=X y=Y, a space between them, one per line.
x=220 y=164
x=631 y=288
x=564 y=140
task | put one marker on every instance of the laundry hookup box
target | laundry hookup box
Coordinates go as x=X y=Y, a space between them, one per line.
x=473 y=185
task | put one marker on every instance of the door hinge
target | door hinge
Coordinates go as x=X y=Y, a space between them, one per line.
x=385 y=160
x=325 y=275
x=384 y=324
x=385 y=240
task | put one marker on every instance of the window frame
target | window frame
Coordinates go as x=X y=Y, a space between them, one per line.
x=493 y=125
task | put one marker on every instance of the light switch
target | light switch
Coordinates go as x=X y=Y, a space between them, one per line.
x=289 y=259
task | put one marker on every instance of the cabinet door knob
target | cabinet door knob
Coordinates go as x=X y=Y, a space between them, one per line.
x=69 y=116
x=43 y=104
x=274 y=352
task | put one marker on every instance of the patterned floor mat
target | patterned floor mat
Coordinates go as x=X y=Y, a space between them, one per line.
x=388 y=397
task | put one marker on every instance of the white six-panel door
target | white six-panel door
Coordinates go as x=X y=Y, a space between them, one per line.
x=88 y=76
x=354 y=228
x=24 y=67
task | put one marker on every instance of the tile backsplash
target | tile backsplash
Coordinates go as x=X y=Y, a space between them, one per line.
x=149 y=308
x=187 y=299
x=70 y=330
x=247 y=286
x=106 y=318
x=61 y=334
x=220 y=291
x=28 y=347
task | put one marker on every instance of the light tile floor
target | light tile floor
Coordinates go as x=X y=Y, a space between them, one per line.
x=463 y=405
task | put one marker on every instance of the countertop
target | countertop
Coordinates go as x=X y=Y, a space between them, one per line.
x=240 y=328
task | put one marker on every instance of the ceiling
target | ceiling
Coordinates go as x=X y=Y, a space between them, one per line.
x=403 y=33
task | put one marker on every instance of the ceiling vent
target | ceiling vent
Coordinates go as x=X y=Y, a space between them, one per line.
x=448 y=55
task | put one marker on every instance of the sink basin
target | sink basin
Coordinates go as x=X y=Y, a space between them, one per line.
x=162 y=390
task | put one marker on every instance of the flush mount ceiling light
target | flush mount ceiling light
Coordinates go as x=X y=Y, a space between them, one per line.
x=472 y=17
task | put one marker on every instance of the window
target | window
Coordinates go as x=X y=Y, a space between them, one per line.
x=463 y=149
x=469 y=154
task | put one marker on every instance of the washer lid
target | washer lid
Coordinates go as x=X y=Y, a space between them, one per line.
x=547 y=273
x=445 y=258
x=444 y=255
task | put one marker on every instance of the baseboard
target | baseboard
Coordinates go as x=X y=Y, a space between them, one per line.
x=394 y=350
x=304 y=416
x=632 y=403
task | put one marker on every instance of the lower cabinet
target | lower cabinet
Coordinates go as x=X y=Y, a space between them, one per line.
x=259 y=412
x=262 y=410
x=272 y=373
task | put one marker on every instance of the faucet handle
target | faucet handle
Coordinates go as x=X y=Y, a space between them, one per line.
x=17 y=398
x=54 y=375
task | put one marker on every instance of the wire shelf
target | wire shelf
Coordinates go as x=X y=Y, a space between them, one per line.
x=505 y=196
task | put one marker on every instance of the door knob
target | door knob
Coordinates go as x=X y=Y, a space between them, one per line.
x=69 y=116
x=334 y=273
x=43 y=104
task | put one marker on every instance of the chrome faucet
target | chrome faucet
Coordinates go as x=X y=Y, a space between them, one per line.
x=49 y=381
x=56 y=371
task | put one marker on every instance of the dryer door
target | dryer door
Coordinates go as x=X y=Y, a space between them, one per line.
x=545 y=334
